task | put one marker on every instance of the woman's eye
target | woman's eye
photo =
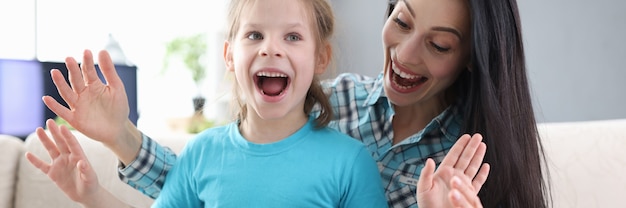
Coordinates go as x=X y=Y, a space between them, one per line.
x=439 y=48
x=400 y=23
x=255 y=36
x=293 y=37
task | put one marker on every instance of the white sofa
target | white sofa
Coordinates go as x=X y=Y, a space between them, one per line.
x=587 y=162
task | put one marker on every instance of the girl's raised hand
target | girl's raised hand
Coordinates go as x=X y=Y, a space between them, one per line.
x=69 y=168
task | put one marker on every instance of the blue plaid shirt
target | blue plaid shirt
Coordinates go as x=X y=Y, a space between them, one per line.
x=362 y=111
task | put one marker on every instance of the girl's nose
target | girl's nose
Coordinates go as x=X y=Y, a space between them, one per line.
x=270 y=49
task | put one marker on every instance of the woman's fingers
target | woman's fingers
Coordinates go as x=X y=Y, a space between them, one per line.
x=58 y=109
x=469 y=152
x=455 y=152
x=65 y=91
x=481 y=177
x=74 y=75
x=476 y=161
x=108 y=70
x=425 y=181
x=88 y=69
x=462 y=193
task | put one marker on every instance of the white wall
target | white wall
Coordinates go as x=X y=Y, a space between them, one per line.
x=358 y=39
x=575 y=53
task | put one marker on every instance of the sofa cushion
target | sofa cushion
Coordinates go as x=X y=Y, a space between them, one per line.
x=587 y=162
x=11 y=150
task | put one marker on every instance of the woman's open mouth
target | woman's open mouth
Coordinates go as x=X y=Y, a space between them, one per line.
x=404 y=81
x=271 y=83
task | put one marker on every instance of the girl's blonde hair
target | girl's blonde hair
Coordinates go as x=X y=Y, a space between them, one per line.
x=323 y=18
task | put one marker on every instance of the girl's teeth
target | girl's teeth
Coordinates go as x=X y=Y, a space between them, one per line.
x=271 y=74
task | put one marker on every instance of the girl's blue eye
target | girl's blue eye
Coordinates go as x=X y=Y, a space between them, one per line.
x=255 y=36
x=293 y=37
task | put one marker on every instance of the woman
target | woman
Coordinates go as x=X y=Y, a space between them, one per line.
x=451 y=67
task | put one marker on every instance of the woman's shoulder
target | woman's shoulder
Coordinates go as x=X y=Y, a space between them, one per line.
x=350 y=80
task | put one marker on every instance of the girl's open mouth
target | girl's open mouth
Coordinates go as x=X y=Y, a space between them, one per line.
x=271 y=83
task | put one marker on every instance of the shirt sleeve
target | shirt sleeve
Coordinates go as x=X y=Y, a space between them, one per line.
x=365 y=187
x=148 y=171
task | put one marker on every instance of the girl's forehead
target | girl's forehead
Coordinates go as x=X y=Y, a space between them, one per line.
x=276 y=11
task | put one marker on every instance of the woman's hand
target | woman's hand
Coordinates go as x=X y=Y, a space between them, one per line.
x=463 y=193
x=98 y=110
x=440 y=188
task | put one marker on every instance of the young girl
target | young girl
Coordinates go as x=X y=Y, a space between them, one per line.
x=275 y=154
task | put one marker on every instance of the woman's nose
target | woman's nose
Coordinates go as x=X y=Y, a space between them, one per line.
x=409 y=51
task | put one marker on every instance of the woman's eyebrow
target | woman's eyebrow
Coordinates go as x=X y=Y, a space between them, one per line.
x=450 y=30
x=409 y=7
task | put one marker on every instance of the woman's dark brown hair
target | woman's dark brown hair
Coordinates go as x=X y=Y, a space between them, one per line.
x=497 y=103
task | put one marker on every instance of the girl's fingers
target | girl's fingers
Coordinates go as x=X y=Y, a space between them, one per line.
x=38 y=163
x=47 y=143
x=59 y=139
x=72 y=143
x=87 y=174
x=457 y=149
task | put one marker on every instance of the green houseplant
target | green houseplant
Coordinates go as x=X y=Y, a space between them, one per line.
x=191 y=50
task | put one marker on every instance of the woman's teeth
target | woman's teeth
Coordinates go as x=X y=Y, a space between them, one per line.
x=404 y=75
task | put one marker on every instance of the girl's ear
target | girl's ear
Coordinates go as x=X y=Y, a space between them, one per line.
x=323 y=59
x=228 y=56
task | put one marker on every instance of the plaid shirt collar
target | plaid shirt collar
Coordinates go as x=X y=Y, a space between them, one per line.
x=448 y=122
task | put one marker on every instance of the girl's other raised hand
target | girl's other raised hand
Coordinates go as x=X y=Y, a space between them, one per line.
x=70 y=170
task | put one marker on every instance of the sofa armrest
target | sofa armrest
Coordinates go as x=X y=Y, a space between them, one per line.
x=11 y=150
